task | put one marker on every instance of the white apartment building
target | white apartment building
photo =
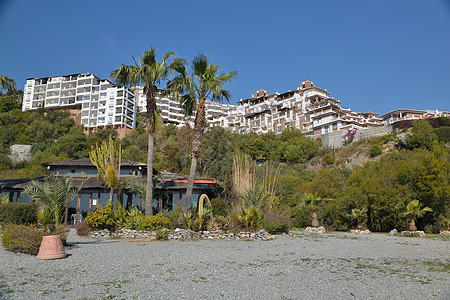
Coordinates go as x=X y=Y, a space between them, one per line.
x=92 y=102
x=411 y=114
x=171 y=111
x=308 y=108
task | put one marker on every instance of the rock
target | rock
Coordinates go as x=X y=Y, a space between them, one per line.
x=402 y=138
x=393 y=232
x=413 y=233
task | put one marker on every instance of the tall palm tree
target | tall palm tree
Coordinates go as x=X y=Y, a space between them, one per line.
x=7 y=83
x=148 y=72
x=413 y=211
x=203 y=82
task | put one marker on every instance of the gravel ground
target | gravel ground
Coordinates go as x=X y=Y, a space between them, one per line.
x=305 y=266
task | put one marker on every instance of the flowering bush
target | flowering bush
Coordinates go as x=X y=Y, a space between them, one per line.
x=274 y=223
x=83 y=229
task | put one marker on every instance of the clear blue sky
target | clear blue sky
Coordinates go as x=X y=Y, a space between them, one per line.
x=372 y=55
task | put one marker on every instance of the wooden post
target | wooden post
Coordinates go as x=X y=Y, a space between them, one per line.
x=18 y=197
x=160 y=204
x=98 y=199
x=90 y=201
x=77 y=218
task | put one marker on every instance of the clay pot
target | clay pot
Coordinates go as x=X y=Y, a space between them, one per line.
x=51 y=248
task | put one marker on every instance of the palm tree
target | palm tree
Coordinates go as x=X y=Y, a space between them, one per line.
x=203 y=83
x=413 y=211
x=55 y=193
x=359 y=215
x=312 y=200
x=149 y=72
x=7 y=83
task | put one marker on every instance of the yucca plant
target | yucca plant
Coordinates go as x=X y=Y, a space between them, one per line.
x=54 y=193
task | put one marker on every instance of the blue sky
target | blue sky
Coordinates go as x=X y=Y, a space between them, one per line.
x=372 y=55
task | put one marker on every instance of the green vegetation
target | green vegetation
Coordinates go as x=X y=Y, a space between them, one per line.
x=272 y=173
x=18 y=213
x=27 y=238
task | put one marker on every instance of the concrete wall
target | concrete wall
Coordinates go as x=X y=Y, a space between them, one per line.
x=335 y=139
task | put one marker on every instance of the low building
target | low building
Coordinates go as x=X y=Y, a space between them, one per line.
x=167 y=194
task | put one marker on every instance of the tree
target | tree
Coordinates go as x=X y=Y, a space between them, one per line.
x=149 y=72
x=422 y=135
x=359 y=215
x=55 y=193
x=106 y=158
x=7 y=83
x=203 y=83
x=312 y=201
x=413 y=211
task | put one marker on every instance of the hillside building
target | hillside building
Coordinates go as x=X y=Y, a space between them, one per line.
x=91 y=101
x=308 y=108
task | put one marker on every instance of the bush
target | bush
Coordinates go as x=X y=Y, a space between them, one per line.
x=101 y=218
x=443 y=133
x=22 y=238
x=328 y=160
x=27 y=238
x=274 y=223
x=18 y=213
x=375 y=150
x=219 y=207
x=154 y=222
x=162 y=234
x=83 y=229
x=133 y=219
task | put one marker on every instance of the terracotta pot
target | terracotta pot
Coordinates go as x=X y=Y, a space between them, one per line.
x=51 y=248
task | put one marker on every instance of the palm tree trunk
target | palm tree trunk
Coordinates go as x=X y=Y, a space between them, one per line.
x=151 y=120
x=149 y=192
x=199 y=128
x=412 y=224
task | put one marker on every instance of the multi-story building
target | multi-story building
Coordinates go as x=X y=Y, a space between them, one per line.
x=411 y=114
x=171 y=111
x=92 y=102
x=308 y=108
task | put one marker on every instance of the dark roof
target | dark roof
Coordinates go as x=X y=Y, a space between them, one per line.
x=86 y=162
x=91 y=182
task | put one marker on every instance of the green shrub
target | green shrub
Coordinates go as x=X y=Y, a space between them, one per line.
x=328 y=160
x=133 y=219
x=154 y=222
x=375 y=150
x=18 y=213
x=219 y=207
x=162 y=234
x=249 y=217
x=101 y=218
x=443 y=133
x=27 y=238
x=274 y=223
x=22 y=238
